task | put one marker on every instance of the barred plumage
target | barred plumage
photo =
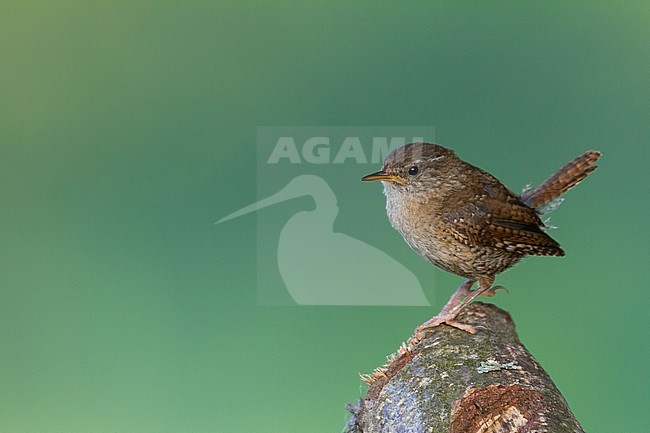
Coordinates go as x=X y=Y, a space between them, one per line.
x=562 y=180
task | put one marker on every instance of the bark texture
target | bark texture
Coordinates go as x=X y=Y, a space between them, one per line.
x=455 y=382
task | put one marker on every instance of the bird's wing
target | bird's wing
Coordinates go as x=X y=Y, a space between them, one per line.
x=497 y=219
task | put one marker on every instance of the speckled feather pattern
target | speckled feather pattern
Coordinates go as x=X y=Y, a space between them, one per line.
x=462 y=219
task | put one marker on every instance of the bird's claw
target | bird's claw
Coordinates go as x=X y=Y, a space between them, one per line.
x=493 y=291
x=420 y=331
x=462 y=326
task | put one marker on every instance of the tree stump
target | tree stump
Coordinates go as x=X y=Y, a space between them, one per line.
x=455 y=382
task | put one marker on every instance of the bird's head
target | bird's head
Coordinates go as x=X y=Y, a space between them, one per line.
x=415 y=167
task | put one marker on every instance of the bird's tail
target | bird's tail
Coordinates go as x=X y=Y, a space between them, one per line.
x=560 y=182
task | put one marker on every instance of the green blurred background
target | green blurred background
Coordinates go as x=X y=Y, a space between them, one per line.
x=128 y=128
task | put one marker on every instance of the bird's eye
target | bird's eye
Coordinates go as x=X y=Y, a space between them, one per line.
x=413 y=170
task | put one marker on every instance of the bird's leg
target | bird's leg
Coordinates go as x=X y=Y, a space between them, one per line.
x=446 y=315
x=455 y=305
x=463 y=290
x=484 y=286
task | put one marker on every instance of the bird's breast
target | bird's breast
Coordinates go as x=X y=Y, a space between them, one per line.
x=421 y=226
x=414 y=218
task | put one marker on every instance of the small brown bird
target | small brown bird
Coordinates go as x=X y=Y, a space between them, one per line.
x=463 y=220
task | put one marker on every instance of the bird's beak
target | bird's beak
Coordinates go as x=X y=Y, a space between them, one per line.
x=380 y=175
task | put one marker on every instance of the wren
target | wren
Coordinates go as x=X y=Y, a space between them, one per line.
x=463 y=220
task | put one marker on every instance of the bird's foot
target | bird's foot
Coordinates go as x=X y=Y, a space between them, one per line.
x=443 y=317
x=493 y=291
x=456 y=303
